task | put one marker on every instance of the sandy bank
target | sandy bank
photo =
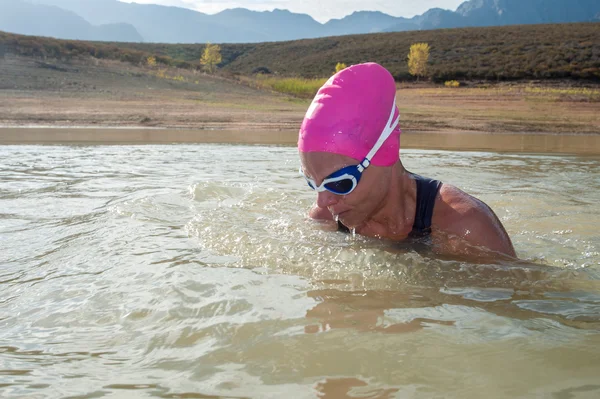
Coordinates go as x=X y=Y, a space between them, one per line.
x=119 y=95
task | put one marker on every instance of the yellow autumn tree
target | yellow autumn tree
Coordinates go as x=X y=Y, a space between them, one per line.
x=417 y=59
x=211 y=57
x=151 y=61
x=339 y=67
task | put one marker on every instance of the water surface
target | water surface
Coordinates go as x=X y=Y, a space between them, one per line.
x=580 y=144
x=192 y=271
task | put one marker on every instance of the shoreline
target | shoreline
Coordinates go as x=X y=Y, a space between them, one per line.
x=261 y=127
x=547 y=143
x=95 y=102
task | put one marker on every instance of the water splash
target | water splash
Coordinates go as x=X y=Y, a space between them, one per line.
x=336 y=218
x=353 y=232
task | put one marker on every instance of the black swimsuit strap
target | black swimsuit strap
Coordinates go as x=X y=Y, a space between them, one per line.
x=427 y=190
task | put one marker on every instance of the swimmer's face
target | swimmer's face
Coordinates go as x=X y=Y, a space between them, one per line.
x=354 y=208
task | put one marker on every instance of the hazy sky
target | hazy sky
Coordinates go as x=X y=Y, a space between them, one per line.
x=321 y=10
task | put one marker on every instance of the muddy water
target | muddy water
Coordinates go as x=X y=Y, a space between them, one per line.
x=582 y=144
x=192 y=271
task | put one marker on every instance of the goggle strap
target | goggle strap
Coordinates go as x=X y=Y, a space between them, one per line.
x=363 y=165
x=387 y=132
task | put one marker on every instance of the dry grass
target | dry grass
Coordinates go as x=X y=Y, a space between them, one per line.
x=297 y=87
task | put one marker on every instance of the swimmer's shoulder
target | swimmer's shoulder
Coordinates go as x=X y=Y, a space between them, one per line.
x=452 y=204
x=469 y=221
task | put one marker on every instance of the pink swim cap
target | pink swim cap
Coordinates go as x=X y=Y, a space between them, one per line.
x=349 y=113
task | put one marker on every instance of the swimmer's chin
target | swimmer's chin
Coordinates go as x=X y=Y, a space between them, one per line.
x=326 y=216
x=351 y=223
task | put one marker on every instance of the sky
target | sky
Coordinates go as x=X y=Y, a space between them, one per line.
x=321 y=10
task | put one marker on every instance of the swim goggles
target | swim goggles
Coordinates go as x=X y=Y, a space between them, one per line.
x=345 y=180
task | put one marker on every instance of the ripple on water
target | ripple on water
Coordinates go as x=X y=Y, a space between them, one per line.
x=142 y=271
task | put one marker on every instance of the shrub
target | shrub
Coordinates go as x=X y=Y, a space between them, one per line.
x=299 y=87
x=339 y=66
x=261 y=70
x=452 y=83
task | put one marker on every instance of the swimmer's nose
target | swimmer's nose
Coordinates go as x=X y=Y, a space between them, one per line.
x=325 y=199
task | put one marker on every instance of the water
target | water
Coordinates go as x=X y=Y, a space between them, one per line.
x=192 y=271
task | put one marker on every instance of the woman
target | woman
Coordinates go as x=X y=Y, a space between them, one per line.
x=349 y=147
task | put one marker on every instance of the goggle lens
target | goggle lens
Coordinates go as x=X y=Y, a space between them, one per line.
x=340 y=186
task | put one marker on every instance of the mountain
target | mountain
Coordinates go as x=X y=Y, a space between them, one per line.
x=265 y=25
x=366 y=22
x=164 y=24
x=41 y=20
x=436 y=18
x=513 y=12
x=159 y=24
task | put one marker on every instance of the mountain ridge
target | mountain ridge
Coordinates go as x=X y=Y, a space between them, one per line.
x=57 y=22
x=170 y=24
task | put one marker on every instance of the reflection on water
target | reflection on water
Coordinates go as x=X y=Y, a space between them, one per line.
x=192 y=271
x=506 y=142
x=351 y=388
x=581 y=144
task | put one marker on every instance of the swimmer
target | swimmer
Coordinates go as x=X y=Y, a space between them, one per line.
x=349 y=145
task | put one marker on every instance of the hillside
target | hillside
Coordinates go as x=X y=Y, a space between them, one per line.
x=565 y=51
x=43 y=47
x=92 y=92
x=498 y=53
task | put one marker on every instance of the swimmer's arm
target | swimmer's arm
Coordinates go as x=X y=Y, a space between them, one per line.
x=467 y=226
x=319 y=213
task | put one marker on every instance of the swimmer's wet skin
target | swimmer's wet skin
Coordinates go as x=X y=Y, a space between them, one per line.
x=350 y=135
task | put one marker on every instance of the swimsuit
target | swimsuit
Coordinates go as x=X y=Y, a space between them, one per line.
x=427 y=190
